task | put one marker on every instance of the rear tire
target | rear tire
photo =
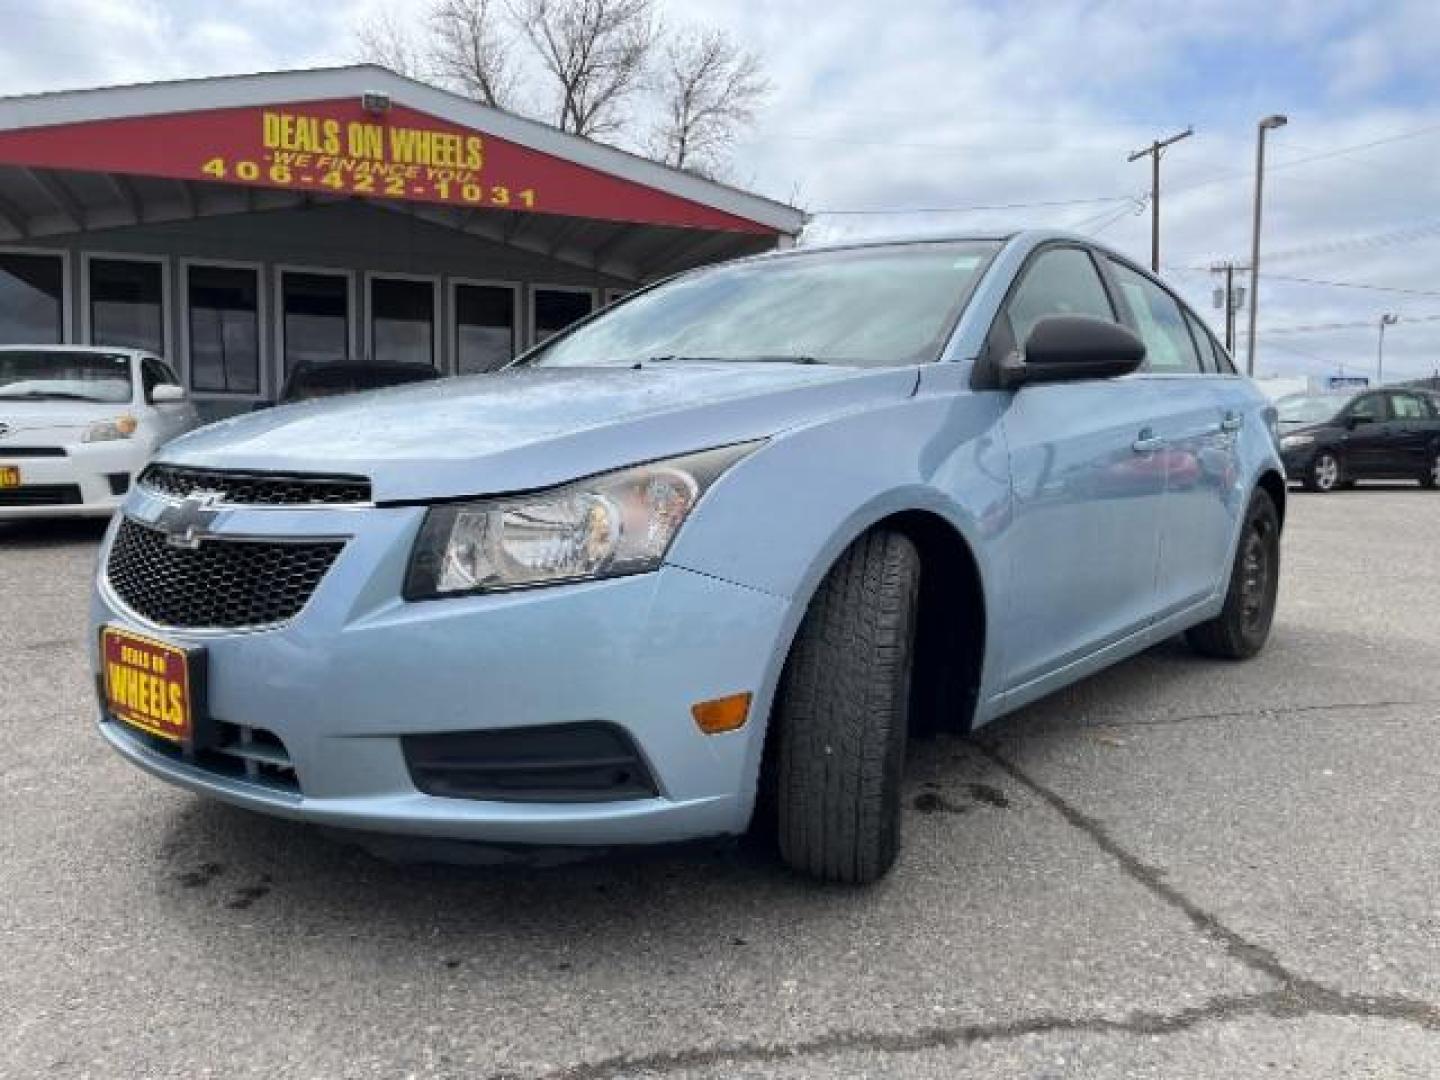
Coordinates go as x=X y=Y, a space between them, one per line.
x=1241 y=628
x=843 y=715
x=1431 y=478
x=1324 y=474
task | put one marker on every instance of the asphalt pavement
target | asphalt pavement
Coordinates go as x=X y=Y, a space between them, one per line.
x=1178 y=868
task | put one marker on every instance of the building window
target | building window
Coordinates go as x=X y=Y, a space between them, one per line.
x=557 y=308
x=224 y=313
x=484 y=327
x=127 y=304
x=314 y=318
x=32 y=299
x=402 y=321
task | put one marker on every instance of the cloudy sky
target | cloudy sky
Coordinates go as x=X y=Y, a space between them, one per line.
x=934 y=108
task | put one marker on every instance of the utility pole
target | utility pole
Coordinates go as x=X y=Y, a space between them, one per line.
x=1230 y=298
x=1385 y=320
x=1267 y=124
x=1153 y=152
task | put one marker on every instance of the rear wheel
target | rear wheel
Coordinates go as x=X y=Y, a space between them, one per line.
x=1240 y=630
x=1431 y=477
x=843 y=715
x=1324 y=472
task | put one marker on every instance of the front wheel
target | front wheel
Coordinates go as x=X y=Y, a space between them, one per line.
x=1240 y=630
x=1324 y=472
x=843 y=715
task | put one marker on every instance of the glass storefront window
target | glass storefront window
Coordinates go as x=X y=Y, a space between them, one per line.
x=32 y=299
x=484 y=327
x=127 y=304
x=402 y=321
x=314 y=318
x=555 y=309
x=224 y=314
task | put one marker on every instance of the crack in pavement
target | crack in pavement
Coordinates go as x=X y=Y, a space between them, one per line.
x=1295 y=997
x=1281 y=1004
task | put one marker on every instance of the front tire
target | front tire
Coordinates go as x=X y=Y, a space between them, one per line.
x=843 y=715
x=1324 y=474
x=1243 y=625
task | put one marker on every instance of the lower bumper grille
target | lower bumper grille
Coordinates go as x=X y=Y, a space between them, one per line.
x=221 y=584
x=42 y=495
x=564 y=763
x=240 y=753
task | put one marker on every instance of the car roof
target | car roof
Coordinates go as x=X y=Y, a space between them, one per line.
x=99 y=350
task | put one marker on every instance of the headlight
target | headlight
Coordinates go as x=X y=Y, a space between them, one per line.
x=1294 y=442
x=122 y=427
x=618 y=523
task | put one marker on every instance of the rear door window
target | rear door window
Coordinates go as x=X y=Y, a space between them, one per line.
x=1409 y=407
x=1169 y=349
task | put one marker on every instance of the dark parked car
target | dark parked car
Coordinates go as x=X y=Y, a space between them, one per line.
x=327 y=380
x=1332 y=440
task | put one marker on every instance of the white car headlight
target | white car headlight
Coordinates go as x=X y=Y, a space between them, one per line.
x=1294 y=442
x=618 y=523
x=122 y=427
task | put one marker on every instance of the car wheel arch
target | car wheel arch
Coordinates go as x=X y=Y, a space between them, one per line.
x=1274 y=485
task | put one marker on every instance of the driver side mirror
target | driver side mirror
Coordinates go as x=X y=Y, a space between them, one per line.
x=1066 y=348
x=1352 y=422
x=166 y=394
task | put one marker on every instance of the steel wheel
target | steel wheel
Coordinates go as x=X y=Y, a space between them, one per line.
x=1256 y=567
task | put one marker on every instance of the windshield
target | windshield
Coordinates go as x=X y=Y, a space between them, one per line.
x=57 y=375
x=868 y=307
x=1309 y=409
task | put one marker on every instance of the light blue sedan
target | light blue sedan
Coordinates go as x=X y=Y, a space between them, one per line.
x=701 y=563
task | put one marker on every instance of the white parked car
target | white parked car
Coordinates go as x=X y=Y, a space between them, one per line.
x=78 y=423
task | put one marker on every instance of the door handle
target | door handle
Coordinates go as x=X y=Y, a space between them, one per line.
x=1232 y=422
x=1147 y=442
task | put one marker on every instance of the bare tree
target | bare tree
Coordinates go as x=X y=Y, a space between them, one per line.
x=382 y=39
x=471 y=52
x=709 y=88
x=595 y=51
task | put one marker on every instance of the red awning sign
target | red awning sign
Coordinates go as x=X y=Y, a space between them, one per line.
x=337 y=148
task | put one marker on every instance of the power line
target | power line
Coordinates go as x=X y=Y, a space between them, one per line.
x=1322 y=155
x=850 y=211
x=1311 y=328
x=1352 y=285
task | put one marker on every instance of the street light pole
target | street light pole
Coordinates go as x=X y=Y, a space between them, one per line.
x=1385 y=320
x=1265 y=125
x=1153 y=152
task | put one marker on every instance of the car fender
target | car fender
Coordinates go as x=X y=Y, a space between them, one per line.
x=781 y=518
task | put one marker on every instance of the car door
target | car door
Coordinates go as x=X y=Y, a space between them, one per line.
x=1198 y=416
x=1365 y=445
x=1087 y=484
x=1411 y=432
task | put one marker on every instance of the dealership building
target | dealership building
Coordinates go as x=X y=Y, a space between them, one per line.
x=241 y=226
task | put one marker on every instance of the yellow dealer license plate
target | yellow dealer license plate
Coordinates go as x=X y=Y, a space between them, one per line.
x=9 y=476
x=148 y=684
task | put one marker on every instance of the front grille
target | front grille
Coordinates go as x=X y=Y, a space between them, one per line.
x=562 y=763
x=258 y=488
x=41 y=495
x=31 y=451
x=222 y=584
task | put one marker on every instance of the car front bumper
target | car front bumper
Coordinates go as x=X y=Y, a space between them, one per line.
x=1297 y=461
x=358 y=669
x=81 y=477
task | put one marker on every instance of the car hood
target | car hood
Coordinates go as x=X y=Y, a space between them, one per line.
x=532 y=427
